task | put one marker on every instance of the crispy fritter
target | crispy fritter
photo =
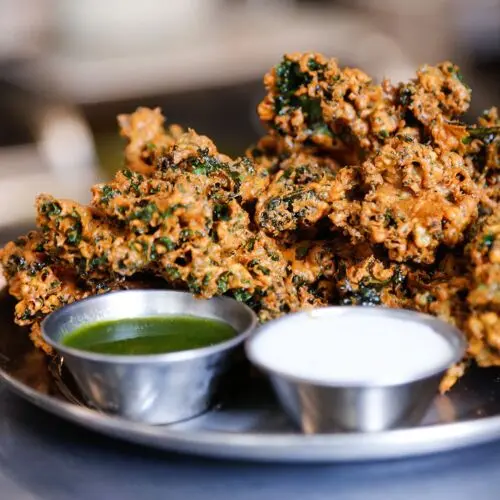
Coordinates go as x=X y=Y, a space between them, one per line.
x=186 y=223
x=416 y=200
x=483 y=153
x=434 y=100
x=311 y=100
x=483 y=325
x=305 y=191
x=42 y=284
x=146 y=138
x=437 y=91
x=371 y=282
x=298 y=195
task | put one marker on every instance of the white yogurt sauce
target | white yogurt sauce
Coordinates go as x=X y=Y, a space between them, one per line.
x=350 y=348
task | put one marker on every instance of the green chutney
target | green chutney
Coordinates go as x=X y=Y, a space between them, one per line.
x=153 y=335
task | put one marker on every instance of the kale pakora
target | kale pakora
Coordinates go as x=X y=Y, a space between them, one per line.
x=359 y=194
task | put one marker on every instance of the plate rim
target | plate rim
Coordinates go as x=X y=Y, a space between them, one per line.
x=272 y=447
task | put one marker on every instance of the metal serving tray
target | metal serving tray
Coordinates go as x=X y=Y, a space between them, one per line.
x=250 y=425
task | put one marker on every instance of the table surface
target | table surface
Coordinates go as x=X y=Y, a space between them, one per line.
x=44 y=457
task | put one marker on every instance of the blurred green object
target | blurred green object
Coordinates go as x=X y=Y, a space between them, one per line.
x=109 y=150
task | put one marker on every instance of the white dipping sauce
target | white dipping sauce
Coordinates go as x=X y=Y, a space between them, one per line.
x=350 y=348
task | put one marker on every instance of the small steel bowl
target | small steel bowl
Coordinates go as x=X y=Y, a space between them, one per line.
x=153 y=388
x=319 y=407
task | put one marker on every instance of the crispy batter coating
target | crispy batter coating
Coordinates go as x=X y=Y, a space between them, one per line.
x=298 y=195
x=359 y=194
x=437 y=91
x=42 y=284
x=416 y=200
x=311 y=100
x=483 y=325
x=365 y=280
x=146 y=138
x=304 y=191
x=483 y=153
x=434 y=99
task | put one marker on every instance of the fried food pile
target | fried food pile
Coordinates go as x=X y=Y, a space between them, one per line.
x=359 y=194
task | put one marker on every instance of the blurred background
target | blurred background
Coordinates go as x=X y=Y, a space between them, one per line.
x=67 y=68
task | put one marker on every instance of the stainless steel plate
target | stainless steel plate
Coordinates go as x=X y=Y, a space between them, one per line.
x=250 y=425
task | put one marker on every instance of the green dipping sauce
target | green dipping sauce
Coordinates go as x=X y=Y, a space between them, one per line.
x=154 y=335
